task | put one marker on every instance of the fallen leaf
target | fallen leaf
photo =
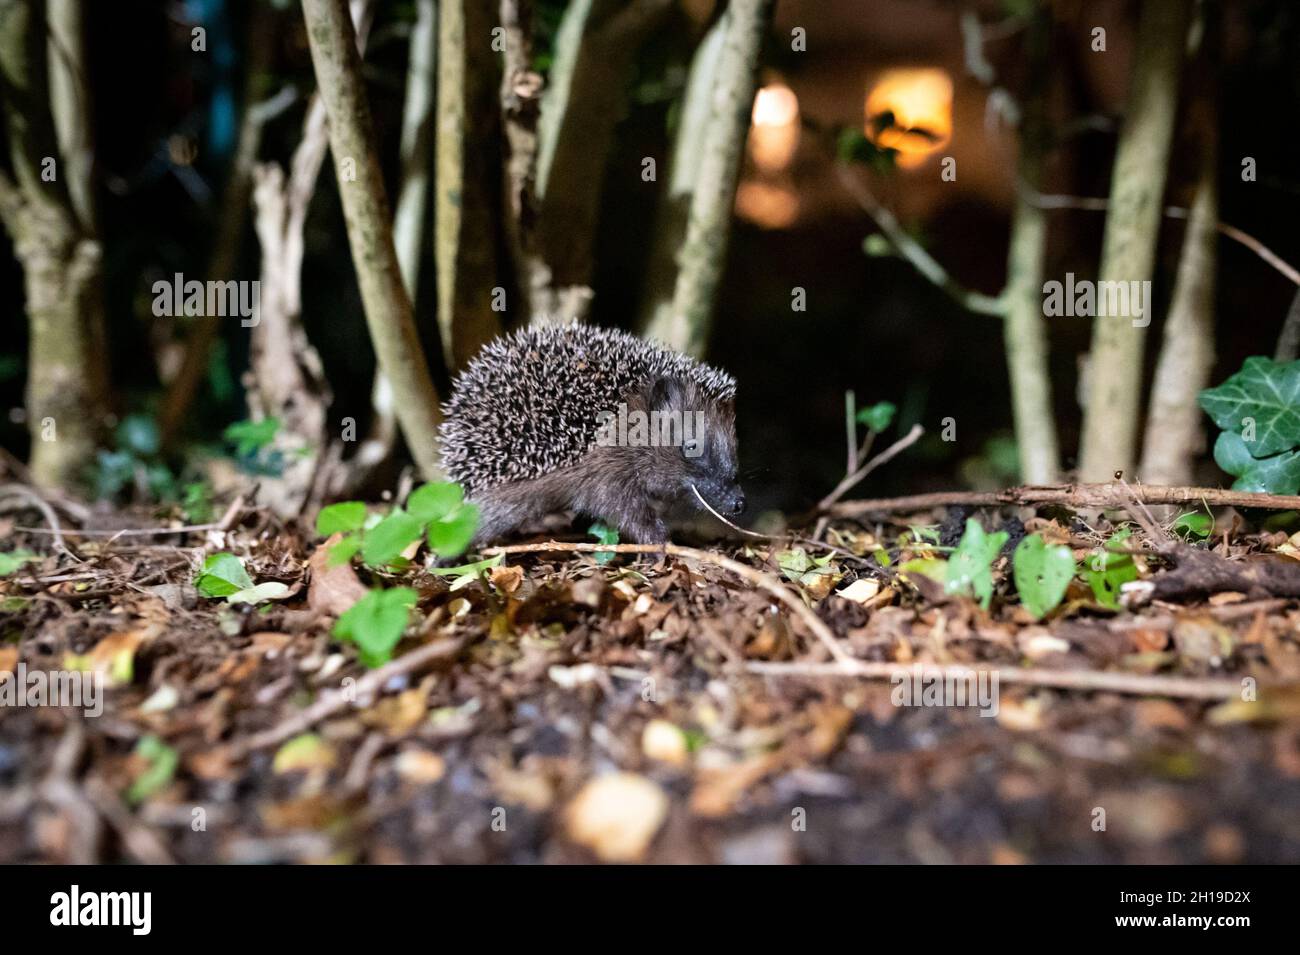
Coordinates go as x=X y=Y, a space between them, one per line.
x=506 y=579
x=665 y=742
x=333 y=590
x=305 y=752
x=617 y=816
x=113 y=656
x=419 y=766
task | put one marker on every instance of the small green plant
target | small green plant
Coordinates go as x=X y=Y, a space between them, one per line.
x=376 y=622
x=1042 y=573
x=437 y=512
x=970 y=569
x=877 y=417
x=1258 y=409
x=160 y=766
x=1108 y=571
x=223 y=575
x=135 y=462
x=252 y=443
x=603 y=535
x=196 y=502
x=1196 y=525
x=11 y=561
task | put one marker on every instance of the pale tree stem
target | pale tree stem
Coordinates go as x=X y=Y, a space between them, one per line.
x=1110 y=421
x=61 y=258
x=1175 y=434
x=465 y=185
x=585 y=99
x=389 y=315
x=1024 y=331
x=704 y=253
x=409 y=222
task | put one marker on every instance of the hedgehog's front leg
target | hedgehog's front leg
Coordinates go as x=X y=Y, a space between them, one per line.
x=646 y=527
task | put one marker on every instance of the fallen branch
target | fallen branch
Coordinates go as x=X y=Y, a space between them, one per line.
x=1110 y=494
x=850 y=481
x=756 y=577
x=336 y=701
x=1092 y=680
x=1198 y=572
x=47 y=512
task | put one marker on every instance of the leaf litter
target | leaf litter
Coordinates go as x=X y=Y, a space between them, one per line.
x=573 y=707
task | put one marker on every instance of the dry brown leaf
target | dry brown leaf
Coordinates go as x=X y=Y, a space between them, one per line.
x=333 y=590
x=717 y=789
x=398 y=715
x=506 y=579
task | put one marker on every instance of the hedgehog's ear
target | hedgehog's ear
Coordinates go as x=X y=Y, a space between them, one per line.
x=663 y=393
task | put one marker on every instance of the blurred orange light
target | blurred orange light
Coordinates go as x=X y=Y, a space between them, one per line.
x=775 y=133
x=910 y=110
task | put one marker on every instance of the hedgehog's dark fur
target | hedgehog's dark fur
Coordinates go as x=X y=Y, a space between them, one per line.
x=521 y=427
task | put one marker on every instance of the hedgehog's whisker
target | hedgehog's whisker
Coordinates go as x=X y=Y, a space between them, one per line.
x=709 y=507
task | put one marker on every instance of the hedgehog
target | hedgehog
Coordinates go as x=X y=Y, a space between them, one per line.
x=592 y=421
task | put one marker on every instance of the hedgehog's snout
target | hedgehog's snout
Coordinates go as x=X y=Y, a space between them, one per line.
x=736 y=500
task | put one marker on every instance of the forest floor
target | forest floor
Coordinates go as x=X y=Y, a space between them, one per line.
x=568 y=706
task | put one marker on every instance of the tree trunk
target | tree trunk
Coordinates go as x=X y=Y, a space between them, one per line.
x=389 y=315
x=466 y=190
x=583 y=104
x=704 y=252
x=1110 y=423
x=409 y=224
x=60 y=255
x=674 y=209
x=1024 y=330
x=1175 y=434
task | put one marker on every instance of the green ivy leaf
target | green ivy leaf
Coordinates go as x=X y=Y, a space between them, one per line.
x=1267 y=392
x=450 y=536
x=878 y=417
x=1042 y=573
x=376 y=622
x=385 y=542
x=341 y=518
x=1278 y=474
x=1196 y=524
x=603 y=535
x=970 y=569
x=433 y=502
x=1108 y=572
x=222 y=575
x=10 y=561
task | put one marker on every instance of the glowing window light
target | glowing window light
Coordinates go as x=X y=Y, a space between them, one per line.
x=774 y=136
x=910 y=110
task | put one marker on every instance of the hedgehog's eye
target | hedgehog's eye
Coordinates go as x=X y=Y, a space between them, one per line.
x=691 y=448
